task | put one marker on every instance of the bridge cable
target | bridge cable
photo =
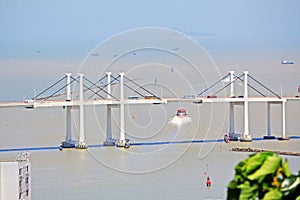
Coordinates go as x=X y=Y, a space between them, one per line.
x=104 y=86
x=89 y=88
x=142 y=87
x=97 y=87
x=45 y=98
x=73 y=79
x=265 y=87
x=95 y=84
x=102 y=89
x=213 y=85
x=134 y=90
x=237 y=77
x=253 y=88
x=48 y=88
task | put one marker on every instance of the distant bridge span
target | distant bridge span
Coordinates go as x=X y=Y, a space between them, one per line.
x=109 y=101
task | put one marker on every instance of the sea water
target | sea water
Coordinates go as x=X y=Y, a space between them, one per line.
x=147 y=170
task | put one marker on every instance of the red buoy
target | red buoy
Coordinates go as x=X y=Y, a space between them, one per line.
x=208 y=182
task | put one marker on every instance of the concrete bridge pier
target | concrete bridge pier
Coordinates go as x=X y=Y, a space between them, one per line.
x=232 y=135
x=81 y=142
x=283 y=121
x=68 y=142
x=109 y=141
x=246 y=137
x=269 y=136
x=122 y=141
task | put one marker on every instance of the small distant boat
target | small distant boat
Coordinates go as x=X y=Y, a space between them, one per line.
x=226 y=138
x=94 y=54
x=181 y=112
x=287 y=62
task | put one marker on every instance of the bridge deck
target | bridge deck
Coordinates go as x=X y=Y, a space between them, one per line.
x=58 y=103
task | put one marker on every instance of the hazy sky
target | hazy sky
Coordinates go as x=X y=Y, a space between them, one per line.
x=69 y=29
x=55 y=21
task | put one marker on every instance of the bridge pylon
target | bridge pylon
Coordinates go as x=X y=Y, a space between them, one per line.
x=109 y=141
x=246 y=137
x=122 y=141
x=233 y=136
x=81 y=143
x=69 y=142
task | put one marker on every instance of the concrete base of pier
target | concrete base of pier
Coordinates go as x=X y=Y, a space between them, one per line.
x=81 y=145
x=269 y=137
x=283 y=138
x=246 y=138
x=234 y=136
x=123 y=143
x=109 y=142
x=67 y=144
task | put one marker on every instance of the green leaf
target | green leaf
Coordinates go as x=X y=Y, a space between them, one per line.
x=248 y=191
x=285 y=168
x=233 y=194
x=232 y=184
x=273 y=194
x=239 y=168
x=239 y=178
x=269 y=166
x=255 y=161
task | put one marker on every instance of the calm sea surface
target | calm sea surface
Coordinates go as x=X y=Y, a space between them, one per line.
x=147 y=171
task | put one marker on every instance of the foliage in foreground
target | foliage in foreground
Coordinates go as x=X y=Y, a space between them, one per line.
x=264 y=176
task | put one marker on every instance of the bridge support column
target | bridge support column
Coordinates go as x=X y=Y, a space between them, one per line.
x=269 y=136
x=68 y=142
x=246 y=137
x=81 y=143
x=283 y=122
x=68 y=134
x=269 y=119
x=68 y=77
x=232 y=135
x=232 y=83
x=122 y=142
x=109 y=141
x=231 y=119
x=108 y=74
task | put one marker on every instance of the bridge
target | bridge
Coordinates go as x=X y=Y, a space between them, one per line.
x=101 y=95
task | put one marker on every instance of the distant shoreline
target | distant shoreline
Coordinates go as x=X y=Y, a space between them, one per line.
x=249 y=149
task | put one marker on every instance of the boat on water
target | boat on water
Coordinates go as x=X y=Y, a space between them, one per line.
x=287 y=62
x=181 y=112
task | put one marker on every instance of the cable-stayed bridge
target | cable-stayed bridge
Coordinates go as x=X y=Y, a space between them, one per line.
x=98 y=93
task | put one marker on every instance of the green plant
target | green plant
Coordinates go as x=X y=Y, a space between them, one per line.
x=264 y=176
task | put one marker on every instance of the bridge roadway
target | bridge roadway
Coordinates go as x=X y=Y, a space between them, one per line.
x=198 y=100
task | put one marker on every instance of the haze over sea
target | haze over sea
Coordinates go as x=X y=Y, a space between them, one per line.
x=41 y=41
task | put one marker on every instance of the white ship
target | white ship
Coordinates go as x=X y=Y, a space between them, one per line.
x=181 y=112
x=287 y=62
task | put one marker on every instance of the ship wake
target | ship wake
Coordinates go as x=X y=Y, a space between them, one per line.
x=180 y=121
